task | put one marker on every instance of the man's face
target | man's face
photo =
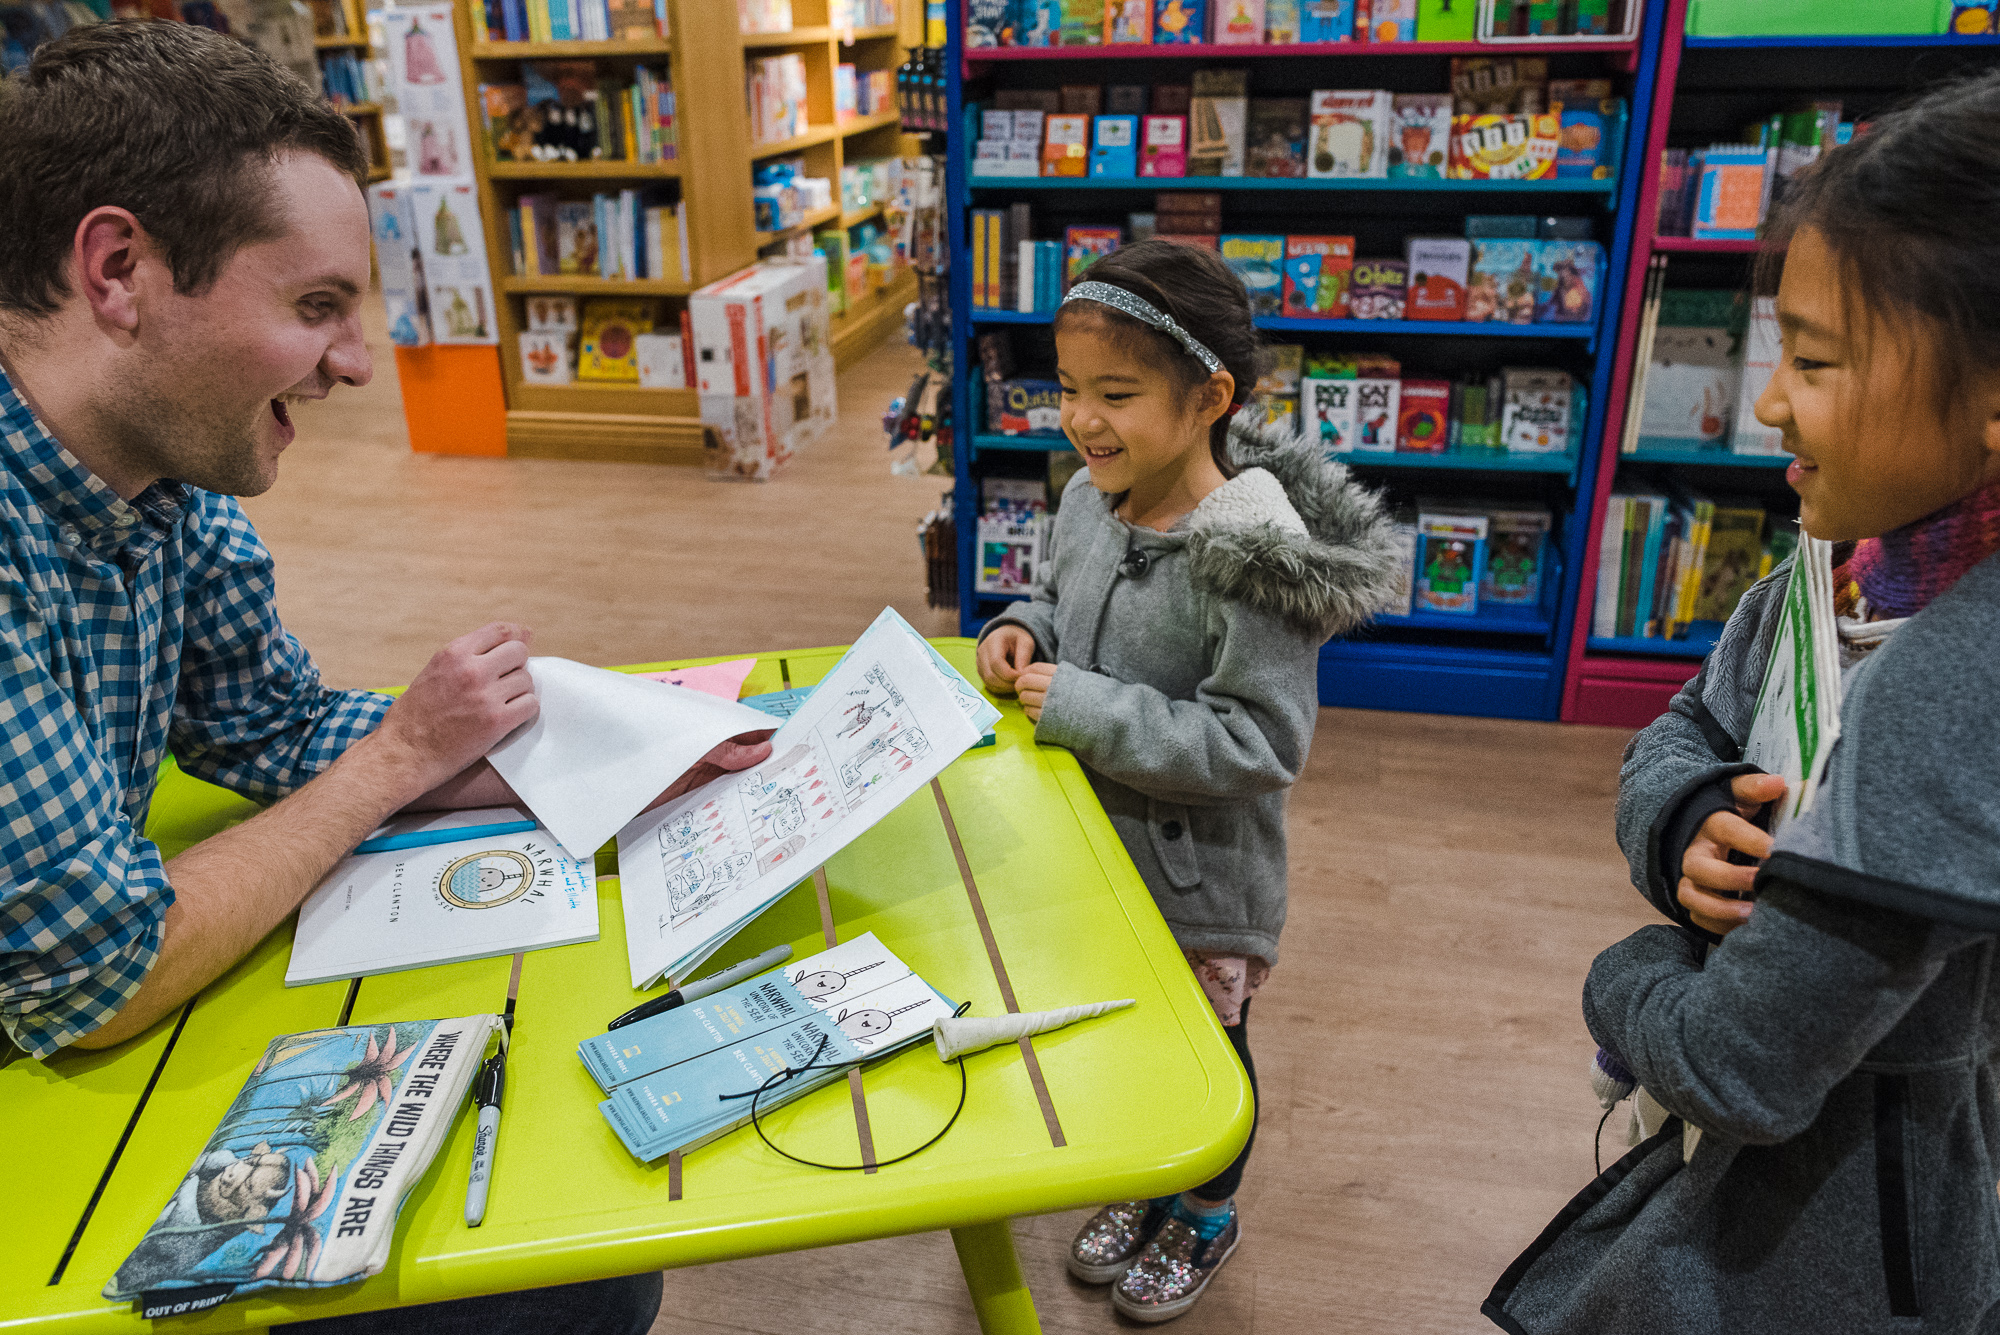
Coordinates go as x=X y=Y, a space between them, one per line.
x=216 y=375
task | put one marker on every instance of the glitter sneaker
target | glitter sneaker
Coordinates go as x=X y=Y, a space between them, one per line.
x=1170 y=1274
x=1106 y=1246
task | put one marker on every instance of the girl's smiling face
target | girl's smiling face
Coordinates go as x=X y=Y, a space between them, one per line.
x=1873 y=451
x=1134 y=424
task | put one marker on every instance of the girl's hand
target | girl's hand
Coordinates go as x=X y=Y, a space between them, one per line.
x=1033 y=686
x=1003 y=656
x=1710 y=883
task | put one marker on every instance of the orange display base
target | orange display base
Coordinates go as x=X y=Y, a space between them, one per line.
x=453 y=399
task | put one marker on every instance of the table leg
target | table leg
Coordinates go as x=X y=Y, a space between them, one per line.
x=1000 y=1294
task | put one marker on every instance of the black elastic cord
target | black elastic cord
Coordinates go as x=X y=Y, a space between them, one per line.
x=813 y=1064
x=1597 y=1143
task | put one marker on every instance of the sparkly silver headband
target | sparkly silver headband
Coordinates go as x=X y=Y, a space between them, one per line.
x=1118 y=299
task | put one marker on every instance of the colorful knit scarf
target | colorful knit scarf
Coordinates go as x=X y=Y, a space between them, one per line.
x=1900 y=572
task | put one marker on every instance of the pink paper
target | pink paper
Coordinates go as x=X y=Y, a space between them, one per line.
x=724 y=680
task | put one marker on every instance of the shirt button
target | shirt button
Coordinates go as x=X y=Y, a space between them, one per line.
x=1172 y=829
x=71 y=536
x=127 y=519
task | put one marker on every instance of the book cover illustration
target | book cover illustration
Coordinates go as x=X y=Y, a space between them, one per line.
x=1451 y=557
x=1180 y=20
x=460 y=287
x=688 y=1102
x=1165 y=151
x=1420 y=134
x=545 y=358
x=879 y=726
x=1239 y=22
x=300 y=1183
x=1258 y=263
x=1326 y=21
x=1275 y=145
x=610 y=330
x=1327 y=406
x=1350 y=131
x=1505 y=282
x=1281 y=22
x=1377 y=404
x=1084 y=246
x=1317 y=271
x=1217 y=122
x=1128 y=21
x=1440 y=268
x=1424 y=417
x=1536 y=415
x=1378 y=290
x=1692 y=376
x=1570 y=275
x=1514 y=543
x=471 y=899
x=404 y=296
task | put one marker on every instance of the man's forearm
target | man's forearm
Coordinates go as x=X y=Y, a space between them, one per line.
x=232 y=889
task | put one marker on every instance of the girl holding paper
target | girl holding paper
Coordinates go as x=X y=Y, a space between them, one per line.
x=1825 y=1073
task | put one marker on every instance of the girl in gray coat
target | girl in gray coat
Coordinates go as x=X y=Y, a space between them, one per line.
x=1173 y=645
x=1837 y=1049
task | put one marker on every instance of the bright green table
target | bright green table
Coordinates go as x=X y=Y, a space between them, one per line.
x=1003 y=884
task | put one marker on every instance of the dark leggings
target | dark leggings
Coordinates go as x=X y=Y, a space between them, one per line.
x=1224 y=1184
x=624 y=1306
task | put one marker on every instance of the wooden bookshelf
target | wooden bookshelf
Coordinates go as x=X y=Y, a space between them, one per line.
x=367 y=116
x=705 y=57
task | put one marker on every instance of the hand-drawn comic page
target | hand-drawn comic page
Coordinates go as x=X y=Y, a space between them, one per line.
x=877 y=729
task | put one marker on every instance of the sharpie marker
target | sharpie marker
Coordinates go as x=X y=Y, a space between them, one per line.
x=452 y=835
x=701 y=987
x=486 y=1093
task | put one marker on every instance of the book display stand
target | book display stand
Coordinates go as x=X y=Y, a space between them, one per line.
x=1507 y=660
x=710 y=173
x=1711 y=81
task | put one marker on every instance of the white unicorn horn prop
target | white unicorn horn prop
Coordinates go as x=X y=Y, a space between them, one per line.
x=958 y=1035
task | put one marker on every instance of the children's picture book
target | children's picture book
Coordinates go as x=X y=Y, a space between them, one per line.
x=1732 y=193
x=662 y=361
x=1731 y=559
x=879 y=727
x=1083 y=246
x=473 y=898
x=1328 y=410
x=1761 y=350
x=1066 y=146
x=1392 y=21
x=1377 y=412
x=1505 y=283
x=1218 y=115
x=1691 y=376
x=1440 y=268
x=1420 y=138
x=1570 y=274
x=1538 y=411
x=1451 y=558
x=1114 y=146
x=1238 y=22
x=1327 y=21
x=1083 y=22
x=609 y=351
x=671 y=1078
x=1515 y=539
x=300 y=1184
x=1259 y=263
x=404 y=297
x=1128 y=21
x=1010 y=553
x=1317 y=272
x=1378 y=290
x=1505 y=146
x=1797 y=720
x=1284 y=364
x=1350 y=133
x=1164 y=152
x=1281 y=22
x=1180 y=21
x=545 y=358
x=1276 y=138
x=1424 y=417
x=551 y=315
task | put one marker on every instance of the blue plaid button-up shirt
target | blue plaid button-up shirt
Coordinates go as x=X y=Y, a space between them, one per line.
x=127 y=629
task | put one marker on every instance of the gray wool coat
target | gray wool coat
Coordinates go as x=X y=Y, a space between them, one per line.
x=1837 y=1051
x=1187 y=683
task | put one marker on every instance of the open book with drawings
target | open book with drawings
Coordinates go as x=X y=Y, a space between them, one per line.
x=1797 y=719
x=882 y=724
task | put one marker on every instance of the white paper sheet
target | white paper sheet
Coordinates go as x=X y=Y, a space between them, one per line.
x=1797 y=719
x=606 y=744
x=879 y=727
x=410 y=908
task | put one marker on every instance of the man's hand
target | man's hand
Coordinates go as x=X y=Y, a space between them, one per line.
x=1033 y=687
x=1713 y=889
x=473 y=692
x=1003 y=656
x=738 y=753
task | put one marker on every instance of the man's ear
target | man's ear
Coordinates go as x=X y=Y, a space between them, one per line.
x=110 y=243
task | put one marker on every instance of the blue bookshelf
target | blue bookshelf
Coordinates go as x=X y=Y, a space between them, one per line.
x=1506 y=662
x=1706 y=458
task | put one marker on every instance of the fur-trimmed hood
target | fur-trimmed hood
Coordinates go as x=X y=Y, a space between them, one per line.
x=1294 y=535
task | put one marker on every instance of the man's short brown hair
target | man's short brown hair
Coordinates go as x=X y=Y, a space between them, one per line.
x=174 y=122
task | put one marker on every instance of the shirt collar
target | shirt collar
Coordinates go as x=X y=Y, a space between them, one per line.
x=69 y=493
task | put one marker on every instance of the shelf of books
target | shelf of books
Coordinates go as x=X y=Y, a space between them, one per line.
x=634 y=150
x=1689 y=504
x=349 y=76
x=1439 y=330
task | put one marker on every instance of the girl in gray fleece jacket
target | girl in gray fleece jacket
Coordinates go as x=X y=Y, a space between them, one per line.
x=1839 y=1049
x=1173 y=645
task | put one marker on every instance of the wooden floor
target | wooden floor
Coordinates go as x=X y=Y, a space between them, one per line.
x=1421 y=1055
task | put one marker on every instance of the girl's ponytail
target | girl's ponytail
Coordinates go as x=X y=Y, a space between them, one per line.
x=1204 y=297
